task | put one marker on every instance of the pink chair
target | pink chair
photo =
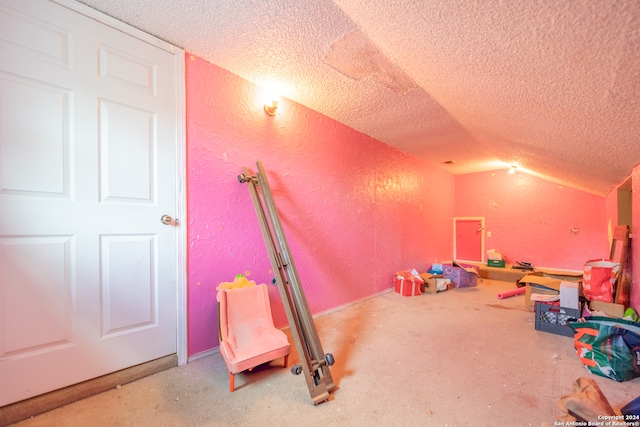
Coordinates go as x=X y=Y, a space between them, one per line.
x=247 y=335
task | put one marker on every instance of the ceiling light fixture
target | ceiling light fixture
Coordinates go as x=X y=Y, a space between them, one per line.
x=270 y=108
x=271 y=104
x=513 y=169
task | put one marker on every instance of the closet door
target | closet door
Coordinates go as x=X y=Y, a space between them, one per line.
x=87 y=170
x=468 y=239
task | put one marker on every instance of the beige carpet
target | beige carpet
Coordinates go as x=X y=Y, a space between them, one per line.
x=456 y=358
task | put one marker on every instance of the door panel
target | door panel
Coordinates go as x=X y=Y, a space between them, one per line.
x=36 y=299
x=129 y=283
x=27 y=147
x=127 y=153
x=88 y=167
x=128 y=70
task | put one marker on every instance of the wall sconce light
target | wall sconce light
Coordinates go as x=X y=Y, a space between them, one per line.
x=271 y=106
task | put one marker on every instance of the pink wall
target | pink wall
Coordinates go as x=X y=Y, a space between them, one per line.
x=354 y=210
x=530 y=218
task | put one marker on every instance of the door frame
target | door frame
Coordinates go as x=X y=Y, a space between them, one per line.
x=180 y=138
x=482 y=235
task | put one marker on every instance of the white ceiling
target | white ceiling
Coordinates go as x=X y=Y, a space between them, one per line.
x=552 y=86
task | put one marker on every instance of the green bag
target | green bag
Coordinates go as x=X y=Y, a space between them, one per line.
x=608 y=347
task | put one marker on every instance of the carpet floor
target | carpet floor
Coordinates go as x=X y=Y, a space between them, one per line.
x=457 y=358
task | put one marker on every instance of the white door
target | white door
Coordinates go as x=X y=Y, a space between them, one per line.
x=87 y=169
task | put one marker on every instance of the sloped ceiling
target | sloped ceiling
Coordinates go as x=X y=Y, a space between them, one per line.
x=551 y=86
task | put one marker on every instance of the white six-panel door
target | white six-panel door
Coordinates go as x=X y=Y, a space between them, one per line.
x=87 y=169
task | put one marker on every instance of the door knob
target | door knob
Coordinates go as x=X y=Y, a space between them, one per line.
x=167 y=220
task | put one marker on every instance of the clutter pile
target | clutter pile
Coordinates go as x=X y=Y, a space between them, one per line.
x=522 y=265
x=439 y=278
x=587 y=405
x=593 y=309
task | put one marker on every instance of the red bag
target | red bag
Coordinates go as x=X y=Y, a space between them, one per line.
x=599 y=279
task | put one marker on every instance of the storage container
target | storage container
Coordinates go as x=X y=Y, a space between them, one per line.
x=496 y=263
x=553 y=318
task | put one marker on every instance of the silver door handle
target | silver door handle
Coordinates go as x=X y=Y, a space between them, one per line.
x=167 y=220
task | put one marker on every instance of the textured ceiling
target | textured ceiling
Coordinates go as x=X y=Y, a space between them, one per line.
x=552 y=86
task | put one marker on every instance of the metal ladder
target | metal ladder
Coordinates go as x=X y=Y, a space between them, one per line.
x=314 y=364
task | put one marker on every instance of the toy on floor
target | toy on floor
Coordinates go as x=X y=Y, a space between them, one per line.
x=630 y=314
x=238 y=282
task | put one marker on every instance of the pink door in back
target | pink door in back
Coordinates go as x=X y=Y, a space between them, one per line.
x=468 y=239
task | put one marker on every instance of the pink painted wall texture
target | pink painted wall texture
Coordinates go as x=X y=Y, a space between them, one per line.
x=354 y=210
x=530 y=219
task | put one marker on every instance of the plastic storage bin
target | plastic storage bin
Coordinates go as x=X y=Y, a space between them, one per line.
x=553 y=318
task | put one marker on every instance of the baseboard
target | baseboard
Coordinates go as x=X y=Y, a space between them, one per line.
x=202 y=354
x=37 y=405
x=340 y=307
x=286 y=326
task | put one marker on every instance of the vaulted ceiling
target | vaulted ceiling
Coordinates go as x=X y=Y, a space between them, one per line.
x=550 y=86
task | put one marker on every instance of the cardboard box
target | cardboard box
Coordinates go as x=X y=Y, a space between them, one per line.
x=566 y=275
x=608 y=308
x=546 y=282
x=434 y=283
x=536 y=283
